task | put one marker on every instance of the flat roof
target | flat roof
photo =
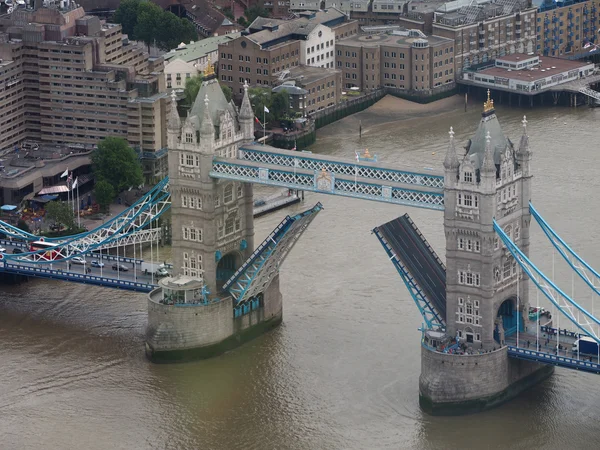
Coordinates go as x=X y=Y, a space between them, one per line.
x=310 y=74
x=516 y=57
x=377 y=40
x=196 y=50
x=550 y=67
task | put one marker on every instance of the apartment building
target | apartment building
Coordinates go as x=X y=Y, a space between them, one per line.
x=270 y=48
x=403 y=59
x=71 y=79
x=484 y=31
x=563 y=28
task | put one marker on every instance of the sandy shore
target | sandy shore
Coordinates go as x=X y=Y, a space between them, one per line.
x=392 y=109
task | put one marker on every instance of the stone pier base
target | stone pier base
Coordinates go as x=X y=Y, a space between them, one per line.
x=465 y=384
x=179 y=333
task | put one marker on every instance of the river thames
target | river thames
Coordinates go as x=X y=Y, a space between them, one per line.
x=342 y=371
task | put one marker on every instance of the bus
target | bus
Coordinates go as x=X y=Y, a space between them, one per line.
x=41 y=245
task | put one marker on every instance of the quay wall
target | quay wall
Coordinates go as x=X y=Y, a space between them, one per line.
x=462 y=384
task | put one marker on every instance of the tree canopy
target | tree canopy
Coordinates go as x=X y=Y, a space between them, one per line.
x=62 y=213
x=145 y=21
x=277 y=103
x=104 y=193
x=117 y=163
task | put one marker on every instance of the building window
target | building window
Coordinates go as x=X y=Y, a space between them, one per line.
x=468 y=177
x=469 y=278
x=240 y=191
x=228 y=194
x=229 y=226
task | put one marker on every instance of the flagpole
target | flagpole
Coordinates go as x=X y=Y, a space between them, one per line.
x=264 y=124
x=78 y=212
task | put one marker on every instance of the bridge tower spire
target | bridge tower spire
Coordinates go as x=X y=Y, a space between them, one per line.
x=484 y=301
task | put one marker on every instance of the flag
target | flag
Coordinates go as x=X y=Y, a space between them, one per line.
x=65 y=173
x=70 y=179
x=294 y=148
x=587 y=44
x=357 y=157
x=266 y=109
x=256 y=119
x=75 y=184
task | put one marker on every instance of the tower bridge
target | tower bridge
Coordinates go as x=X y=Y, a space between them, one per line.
x=476 y=348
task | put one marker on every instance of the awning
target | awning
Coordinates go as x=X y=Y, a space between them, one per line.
x=8 y=207
x=45 y=198
x=53 y=190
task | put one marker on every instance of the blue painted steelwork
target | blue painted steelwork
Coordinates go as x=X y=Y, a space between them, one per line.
x=279 y=158
x=433 y=319
x=566 y=252
x=328 y=183
x=40 y=272
x=546 y=286
x=246 y=308
x=555 y=360
x=259 y=269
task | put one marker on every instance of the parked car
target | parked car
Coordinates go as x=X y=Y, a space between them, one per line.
x=79 y=260
x=97 y=263
x=17 y=250
x=120 y=267
x=2 y=249
x=161 y=272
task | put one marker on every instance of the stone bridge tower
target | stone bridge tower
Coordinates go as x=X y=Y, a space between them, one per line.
x=189 y=315
x=490 y=180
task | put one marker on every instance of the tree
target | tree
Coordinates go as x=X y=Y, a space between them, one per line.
x=62 y=213
x=254 y=12
x=227 y=92
x=280 y=105
x=259 y=98
x=126 y=15
x=117 y=163
x=192 y=86
x=145 y=21
x=22 y=225
x=104 y=194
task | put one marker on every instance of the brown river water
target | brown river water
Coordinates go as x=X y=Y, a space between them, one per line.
x=342 y=371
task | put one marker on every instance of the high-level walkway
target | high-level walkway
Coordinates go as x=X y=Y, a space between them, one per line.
x=417 y=263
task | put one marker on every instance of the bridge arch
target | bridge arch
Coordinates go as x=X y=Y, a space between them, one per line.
x=506 y=319
x=226 y=267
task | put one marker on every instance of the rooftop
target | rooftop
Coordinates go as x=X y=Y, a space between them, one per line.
x=325 y=17
x=196 y=50
x=309 y=74
x=372 y=41
x=548 y=67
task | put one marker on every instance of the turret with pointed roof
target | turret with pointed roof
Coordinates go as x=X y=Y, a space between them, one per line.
x=173 y=123
x=246 y=117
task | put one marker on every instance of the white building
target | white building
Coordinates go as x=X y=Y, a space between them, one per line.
x=188 y=60
x=318 y=50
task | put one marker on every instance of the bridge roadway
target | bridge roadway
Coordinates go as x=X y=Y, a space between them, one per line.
x=419 y=258
x=547 y=352
x=133 y=279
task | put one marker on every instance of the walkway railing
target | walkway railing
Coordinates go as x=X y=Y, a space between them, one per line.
x=556 y=360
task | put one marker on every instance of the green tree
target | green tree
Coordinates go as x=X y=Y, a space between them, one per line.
x=280 y=105
x=145 y=21
x=259 y=98
x=22 y=225
x=227 y=92
x=61 y=213
x=116 y=163
x=254 y=12
x=126 y=15
x=105 y=194
x=192 y=86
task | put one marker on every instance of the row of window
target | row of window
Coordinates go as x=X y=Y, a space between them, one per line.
x=470 y=245
x=262 y=60
x=191 y=234
x=469 y=278
x=231 y=226
x=192 y=265
x=191 y=201
x=320 y=46
x=467 y=200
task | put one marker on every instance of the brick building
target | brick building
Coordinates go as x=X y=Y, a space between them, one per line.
x=404 y=59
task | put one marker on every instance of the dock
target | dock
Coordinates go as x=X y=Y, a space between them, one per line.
x=277 y=201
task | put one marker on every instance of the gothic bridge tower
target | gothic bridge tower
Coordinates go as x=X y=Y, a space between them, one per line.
x=189 y=315
x=486 y=293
